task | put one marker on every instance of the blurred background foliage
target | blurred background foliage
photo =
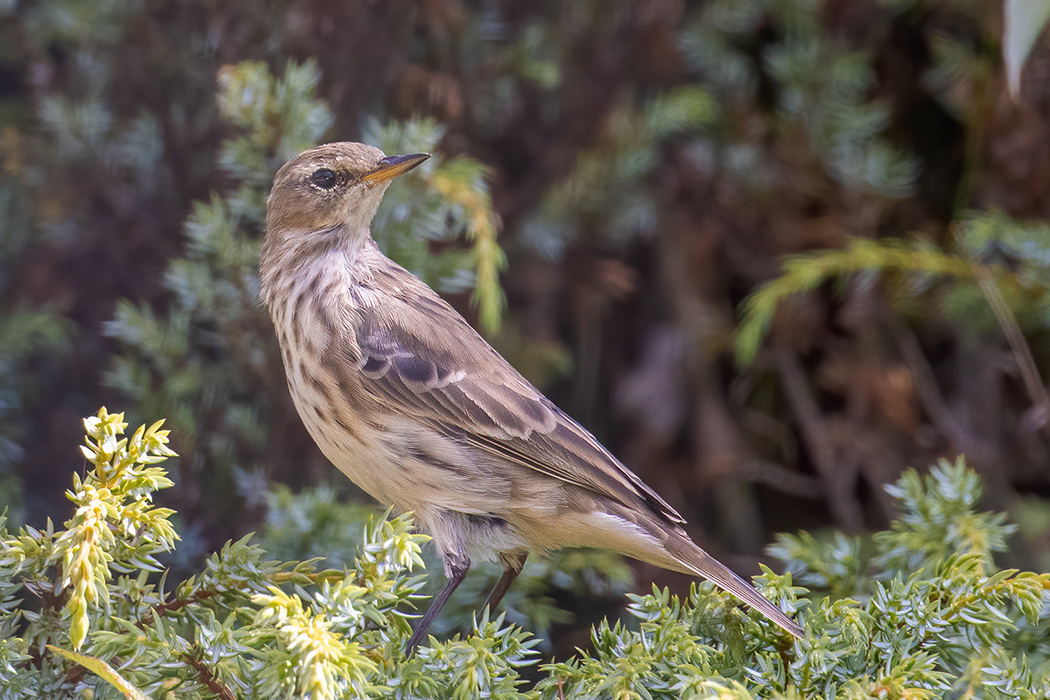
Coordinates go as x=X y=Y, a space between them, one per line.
x=772 y=252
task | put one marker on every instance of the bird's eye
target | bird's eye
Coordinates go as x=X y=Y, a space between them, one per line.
x=324 y=178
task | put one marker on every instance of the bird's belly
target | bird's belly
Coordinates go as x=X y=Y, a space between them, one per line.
x=400 y=462
x=361 y=465
x=461 y=508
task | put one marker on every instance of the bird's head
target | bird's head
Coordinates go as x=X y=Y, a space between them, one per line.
x=334 y=185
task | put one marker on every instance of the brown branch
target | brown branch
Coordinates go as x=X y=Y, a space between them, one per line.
x=175 y=604
x=965 y=436
x=208 y=679
x=813 y=425
x=928 y=392
x=1033 y=383
x=775 y=476
x=169 y=606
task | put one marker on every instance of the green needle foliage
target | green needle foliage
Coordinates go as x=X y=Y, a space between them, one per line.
x=918 y=611
x=1011 y=254
x=244 y=626
x=806 y=272
x=926 y=615
x=609 y=195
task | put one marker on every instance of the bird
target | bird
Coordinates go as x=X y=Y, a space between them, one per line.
x=405 y=398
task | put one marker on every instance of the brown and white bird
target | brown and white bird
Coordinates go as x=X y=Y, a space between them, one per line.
x=407 y=400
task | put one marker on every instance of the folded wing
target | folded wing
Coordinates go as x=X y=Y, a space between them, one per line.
x=420 y=354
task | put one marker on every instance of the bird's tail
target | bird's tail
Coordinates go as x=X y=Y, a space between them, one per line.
x=692 y=559
x=658 y=541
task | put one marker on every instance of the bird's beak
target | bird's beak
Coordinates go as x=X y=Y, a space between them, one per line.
x=392 y=166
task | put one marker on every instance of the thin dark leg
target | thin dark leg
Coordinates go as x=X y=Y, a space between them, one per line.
x=512 y=565
x=457 y=568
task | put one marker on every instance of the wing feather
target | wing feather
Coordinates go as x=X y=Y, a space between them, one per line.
x=421 y=355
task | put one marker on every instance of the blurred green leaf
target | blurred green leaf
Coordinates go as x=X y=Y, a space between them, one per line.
x=103 y=670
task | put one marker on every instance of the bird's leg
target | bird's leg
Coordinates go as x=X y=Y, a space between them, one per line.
x=456 y=567
x=512 y=565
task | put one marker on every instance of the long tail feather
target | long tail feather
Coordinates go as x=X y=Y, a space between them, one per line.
x=699 y=562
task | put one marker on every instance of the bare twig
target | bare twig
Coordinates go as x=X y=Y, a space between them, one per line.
x=927 y=390
x=1015 y=338
x=777 y=477
x=208 y=679
x=840 y=501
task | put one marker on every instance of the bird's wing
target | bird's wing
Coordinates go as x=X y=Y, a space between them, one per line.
x=417 y=352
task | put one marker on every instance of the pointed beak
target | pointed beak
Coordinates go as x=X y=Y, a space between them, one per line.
x=392 y=166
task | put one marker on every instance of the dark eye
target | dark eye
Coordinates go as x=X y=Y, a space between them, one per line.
x=324 y=178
